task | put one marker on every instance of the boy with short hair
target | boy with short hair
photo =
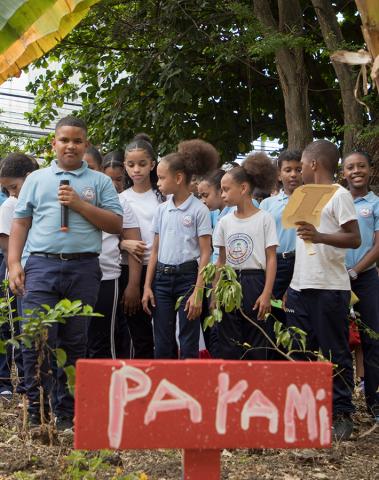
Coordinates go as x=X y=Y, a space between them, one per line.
x=319 y=294
x=289 y=170
x=61 y=264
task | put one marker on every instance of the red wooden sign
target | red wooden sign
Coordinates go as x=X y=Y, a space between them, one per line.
x=202 y=404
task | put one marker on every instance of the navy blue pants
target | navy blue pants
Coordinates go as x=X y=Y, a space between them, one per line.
x=284 y=272
x=140 y=324
x=47 y=281
x=366 y=287
x=167 y=289
x=234 y=330
x=323 y=315
x=101 y=330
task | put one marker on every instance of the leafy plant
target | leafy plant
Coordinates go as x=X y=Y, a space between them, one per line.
x=83 y=465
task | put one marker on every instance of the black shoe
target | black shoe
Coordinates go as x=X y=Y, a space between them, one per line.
x=64 y=424
x=34 y=419
x=342 y=427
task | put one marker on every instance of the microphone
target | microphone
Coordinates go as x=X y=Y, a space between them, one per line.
x=64 y=210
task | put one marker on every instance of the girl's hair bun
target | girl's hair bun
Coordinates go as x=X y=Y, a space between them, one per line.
x=262 y=171
x=200 y=157
x=142 y=136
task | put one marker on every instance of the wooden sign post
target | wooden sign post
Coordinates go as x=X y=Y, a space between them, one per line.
x=202 y=406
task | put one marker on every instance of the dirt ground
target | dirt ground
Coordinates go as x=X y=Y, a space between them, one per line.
x=28 y=456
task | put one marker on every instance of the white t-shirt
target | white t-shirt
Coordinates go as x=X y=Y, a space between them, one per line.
x=246 y=239
x=6 y=215
x=144 y=205
x=325 y=270
x=110 y=253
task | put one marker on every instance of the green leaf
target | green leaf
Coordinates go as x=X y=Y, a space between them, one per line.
x=71 y=377
x=276 y=303
x=61 y=357
x=178 y=302
x=209 y=321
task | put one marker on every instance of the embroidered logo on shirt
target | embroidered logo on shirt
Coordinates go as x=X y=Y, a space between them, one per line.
x=88 y=194
x=365 y=212
x=187 y=221
x=239 y=248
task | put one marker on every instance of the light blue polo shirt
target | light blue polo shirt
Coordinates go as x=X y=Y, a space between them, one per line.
x=286 y=236
x=179 y=228
x=367 y=209
x=39 y=199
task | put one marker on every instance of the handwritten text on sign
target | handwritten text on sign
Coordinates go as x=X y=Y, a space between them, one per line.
x=202 y=404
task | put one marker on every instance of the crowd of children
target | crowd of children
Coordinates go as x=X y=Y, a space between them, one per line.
x=138 y=237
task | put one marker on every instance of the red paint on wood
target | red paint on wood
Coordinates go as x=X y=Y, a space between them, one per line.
x=201 y=464
x=202 y=404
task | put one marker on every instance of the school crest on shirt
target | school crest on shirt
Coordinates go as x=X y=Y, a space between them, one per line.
x=187 y=221
x=88 y=194
x=365 y=212
x=239 y=248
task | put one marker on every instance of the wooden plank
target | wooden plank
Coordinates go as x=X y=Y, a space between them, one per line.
x=202 y=404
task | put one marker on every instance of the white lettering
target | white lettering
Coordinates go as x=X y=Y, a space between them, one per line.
x=181 y=401
x=120 y=395
x=226 y=396
x=304 y=404
x=258 y=405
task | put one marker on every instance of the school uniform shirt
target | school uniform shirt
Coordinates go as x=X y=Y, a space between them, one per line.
x=39 y=199
x=325 y=270
x=246 y=239
x=179 y=228
x=367 y=209
x=6 y=215
x=215 y=218
x=286 y=236
x=110 y=252
x=144 y=205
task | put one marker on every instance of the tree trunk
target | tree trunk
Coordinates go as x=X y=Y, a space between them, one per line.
x=291 y=69
x=352 y=110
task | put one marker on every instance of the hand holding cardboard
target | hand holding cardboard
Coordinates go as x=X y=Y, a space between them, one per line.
x=305 y=205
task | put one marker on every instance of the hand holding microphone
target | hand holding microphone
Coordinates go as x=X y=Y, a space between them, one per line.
x=64 y=210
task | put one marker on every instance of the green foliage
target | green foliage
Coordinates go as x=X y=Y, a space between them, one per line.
x=227 y=293
x=35 y=329
x=9 y=141
x=83 y=465
x=180 y=69
x=286 y=336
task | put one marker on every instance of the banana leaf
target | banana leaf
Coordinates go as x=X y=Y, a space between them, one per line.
x=30 y=28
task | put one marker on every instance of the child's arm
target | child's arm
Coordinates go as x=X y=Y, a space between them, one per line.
x=348 y=237
x=17 y=240
x=371 y=256
x=131 y=297
x=263 y=303
x=104 y=220
x=195 y=302
x=136 y=248
x=148 y=295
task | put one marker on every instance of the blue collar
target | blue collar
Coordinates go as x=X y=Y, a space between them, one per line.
x=184 y=206
x=282 y=195
x=58 y=171
x=370 y=198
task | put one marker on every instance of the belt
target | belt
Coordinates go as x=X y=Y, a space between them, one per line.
x=250 y=271
x=65 y=256
x=286 y=255
x=186 y=267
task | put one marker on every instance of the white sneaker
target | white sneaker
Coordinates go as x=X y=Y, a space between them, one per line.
x=6 y=396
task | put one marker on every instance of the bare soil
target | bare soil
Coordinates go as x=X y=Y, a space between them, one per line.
x=30 y=455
